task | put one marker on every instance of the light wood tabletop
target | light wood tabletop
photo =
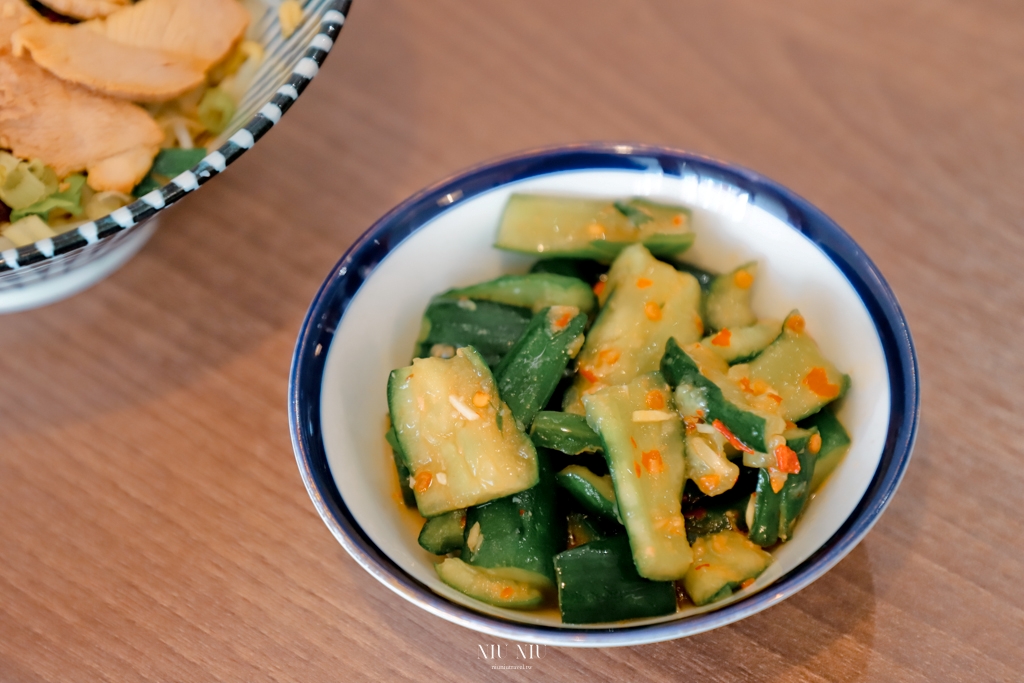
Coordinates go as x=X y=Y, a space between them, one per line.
x=153 y=524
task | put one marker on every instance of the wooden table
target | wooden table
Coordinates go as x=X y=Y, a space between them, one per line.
x=153 y=525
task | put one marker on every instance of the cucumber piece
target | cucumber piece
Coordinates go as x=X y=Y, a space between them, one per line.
x=408 y=497
x=764 y=530
x=797 y=489
x=728 y=300
x=490 y=328
x=794 y=367
x=443 y=534
x=565 y=432
x=704 y=277
x=724 y=516
x=597 y=582
x=530 y=373
x=459 y=439
x=551 y=227
x=595 y=494
x=522 y=531
x=775 y=512
x=694 y=499
x=835 y=443
x=645 y=302
x=583 y=529
x=707 y=466
x=743 y=344
x=722 y=562
x=645 y=458
x=702 y=384
x=535 y=291
x=584 y=269
x=499 y=587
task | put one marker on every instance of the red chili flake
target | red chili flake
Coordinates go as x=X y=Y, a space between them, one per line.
x=731 y=438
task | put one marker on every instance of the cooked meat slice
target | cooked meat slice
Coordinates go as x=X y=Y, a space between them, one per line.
x=85 y=9
x=203 y=29
x=90 y=59
x=64 y=125
x=151 y=51
x=13 y=15
x=122 y=172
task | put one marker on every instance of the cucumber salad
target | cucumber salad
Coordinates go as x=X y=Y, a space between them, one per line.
x=616 y=430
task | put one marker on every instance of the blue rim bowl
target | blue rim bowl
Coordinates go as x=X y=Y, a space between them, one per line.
x=335 y=295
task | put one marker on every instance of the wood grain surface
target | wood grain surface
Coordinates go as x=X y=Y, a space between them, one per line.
x=153 y=525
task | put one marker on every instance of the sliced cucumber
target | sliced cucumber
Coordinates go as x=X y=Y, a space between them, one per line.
x=644 y=450
x=722 y=562
x=795 y=368
x=491 y=328
x=408 y=497
x=598 y=583
x=764 y=527
x=565 y=432
x=584 y=528
x=443 y=534
x=797 y=489
x=723 y=516
x=584 y=269
x=742 y=344
x=511 y=588
x=645 y=302
x=522 y=531
x=550 y=227
x=535 y=291
x=702 y=384
x=460 y=441
x=595 y=494
x=704 y=277
x=529 y=374
x=835 y=443
x=728 y=300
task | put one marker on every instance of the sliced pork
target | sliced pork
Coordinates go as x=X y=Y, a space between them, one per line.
x=151 y=51
x=72 y=129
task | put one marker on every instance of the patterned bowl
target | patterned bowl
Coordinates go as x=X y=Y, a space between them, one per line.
x=55 y=268
x=365 y=318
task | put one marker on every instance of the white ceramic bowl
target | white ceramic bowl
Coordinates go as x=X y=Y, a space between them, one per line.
x=366 y=317
x=58 y=267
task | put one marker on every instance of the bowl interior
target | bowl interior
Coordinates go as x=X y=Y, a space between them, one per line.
x=379 y=327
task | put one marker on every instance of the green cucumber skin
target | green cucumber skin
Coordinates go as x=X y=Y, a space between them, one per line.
x=408 y=497
x=524 y=540
x=605 y=251
x=765 y=529
x=491 y=328
x=598 y=582
x=533 y=290
x=835 y=442
x=587 y=495
x=748 y=427
x=529 y=374
x=704 y=277
x=443 y=534
x=588 y=270
x=715 y=518
x=797 y=489
x=565 y=432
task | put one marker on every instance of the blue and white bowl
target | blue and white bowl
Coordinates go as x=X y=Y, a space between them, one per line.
x=365 y=318
x=54 y=268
